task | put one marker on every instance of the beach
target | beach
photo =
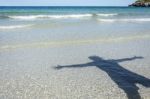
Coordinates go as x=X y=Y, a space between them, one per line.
x=74 y=53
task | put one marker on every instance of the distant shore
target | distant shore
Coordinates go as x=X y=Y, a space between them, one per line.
x=141 y=3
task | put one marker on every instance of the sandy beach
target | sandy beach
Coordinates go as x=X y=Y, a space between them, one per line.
x=100 y=56
x=29 y=73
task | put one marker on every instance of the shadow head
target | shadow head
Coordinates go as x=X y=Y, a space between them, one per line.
x=96 y=58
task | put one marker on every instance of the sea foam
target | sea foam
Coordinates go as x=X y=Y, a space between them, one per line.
x=14 y=26
x=107 y=15
x=77 y=16
x=125 y=20
x=32 y=17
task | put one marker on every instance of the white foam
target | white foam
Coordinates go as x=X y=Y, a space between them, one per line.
x=32 y=17
x=71 y=16
x=23 y=17
x=136 y=20
x=125 y=20
x=106 y=20
x=14 y=26
x=107 y=15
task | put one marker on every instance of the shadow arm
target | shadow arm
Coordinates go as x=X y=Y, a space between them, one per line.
x=72 y=66
x=128 y=59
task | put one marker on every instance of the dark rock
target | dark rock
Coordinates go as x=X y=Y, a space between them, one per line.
x=141 y=3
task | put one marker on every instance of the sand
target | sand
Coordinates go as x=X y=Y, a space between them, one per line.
x=30 y=73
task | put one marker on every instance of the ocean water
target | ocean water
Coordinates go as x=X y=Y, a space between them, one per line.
x=32 y=24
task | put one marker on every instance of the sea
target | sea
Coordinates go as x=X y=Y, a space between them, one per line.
x=31 y=24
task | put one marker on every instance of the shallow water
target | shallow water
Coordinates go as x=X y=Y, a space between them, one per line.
x=25 y=24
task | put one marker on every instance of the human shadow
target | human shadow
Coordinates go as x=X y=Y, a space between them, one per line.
x=125 y=79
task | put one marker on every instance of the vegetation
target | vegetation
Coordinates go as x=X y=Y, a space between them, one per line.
x=141 y=3
x=143 y=0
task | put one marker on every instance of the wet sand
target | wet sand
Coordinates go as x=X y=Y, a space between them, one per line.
x=28 y=72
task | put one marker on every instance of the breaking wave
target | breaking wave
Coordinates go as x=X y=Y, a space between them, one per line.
x=107 y=15
x=102 y=17
x=125 y=20
x=14 y=26
x=32 y=17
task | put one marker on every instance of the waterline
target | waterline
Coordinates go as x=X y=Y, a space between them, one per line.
x=74 y=42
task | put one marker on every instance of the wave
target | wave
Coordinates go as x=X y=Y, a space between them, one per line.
x=125 y=20
x=106 y=20
x=31 y=17
x=107 y=15
x=102 y=17
x=15 y=26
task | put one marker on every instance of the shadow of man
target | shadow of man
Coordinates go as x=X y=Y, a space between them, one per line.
x=125 y=79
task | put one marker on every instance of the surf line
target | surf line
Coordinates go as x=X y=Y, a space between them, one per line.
x=74 y=42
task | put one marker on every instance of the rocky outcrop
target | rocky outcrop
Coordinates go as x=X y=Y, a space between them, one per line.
x=141 y=3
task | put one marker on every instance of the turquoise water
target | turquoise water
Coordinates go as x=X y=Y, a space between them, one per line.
x=120 y=11
x=38 y=24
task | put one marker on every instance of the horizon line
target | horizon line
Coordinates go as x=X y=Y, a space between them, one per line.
x=56 y=6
